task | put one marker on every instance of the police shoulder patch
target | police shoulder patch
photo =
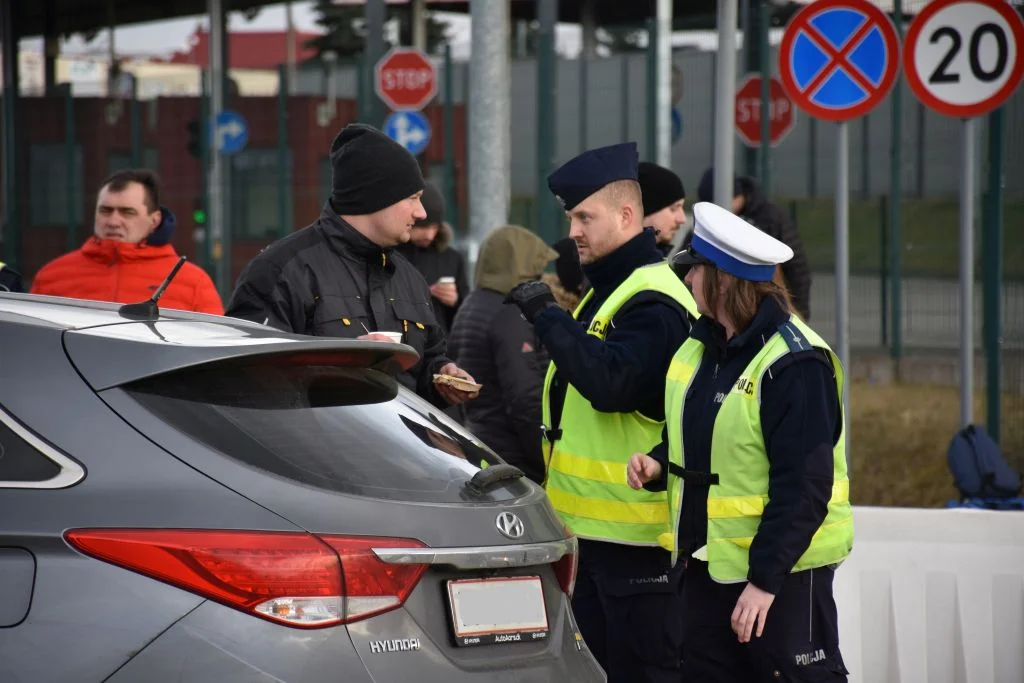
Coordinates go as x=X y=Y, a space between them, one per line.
x=794 y=339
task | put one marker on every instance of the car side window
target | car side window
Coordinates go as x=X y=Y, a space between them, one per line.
x=28 y=462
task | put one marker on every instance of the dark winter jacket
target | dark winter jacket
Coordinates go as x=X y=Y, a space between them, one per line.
x=772 y=219
x=801 y=423
x=328 y=280
x=439 y=260
x=492 y=342
x=625 y=372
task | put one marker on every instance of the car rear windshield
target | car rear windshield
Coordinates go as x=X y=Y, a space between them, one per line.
x=352 y=430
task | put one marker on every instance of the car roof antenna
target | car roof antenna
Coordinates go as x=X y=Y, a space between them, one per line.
x=148 y=310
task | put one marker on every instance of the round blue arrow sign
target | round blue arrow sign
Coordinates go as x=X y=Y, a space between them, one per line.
x=410 y=129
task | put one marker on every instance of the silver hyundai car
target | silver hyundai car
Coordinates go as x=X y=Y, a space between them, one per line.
x=185 y=497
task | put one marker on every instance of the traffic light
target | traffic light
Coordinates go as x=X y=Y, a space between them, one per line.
x=195 y=143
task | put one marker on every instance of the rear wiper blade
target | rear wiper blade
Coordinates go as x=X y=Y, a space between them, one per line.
x=490 y=477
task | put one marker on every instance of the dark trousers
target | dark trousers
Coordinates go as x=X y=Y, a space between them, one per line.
x=627 y=604
x=800 y=642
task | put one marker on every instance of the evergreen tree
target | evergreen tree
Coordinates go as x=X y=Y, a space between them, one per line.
x=344 y=28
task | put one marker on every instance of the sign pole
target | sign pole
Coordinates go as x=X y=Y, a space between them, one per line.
x=967 y=273
x=842 y=237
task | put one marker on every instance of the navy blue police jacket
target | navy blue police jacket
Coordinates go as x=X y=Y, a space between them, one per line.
x=625 y=372
x=800 y=421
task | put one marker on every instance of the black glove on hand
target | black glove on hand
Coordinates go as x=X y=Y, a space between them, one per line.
x=531 y=297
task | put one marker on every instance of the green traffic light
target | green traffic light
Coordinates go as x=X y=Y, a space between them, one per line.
x=199 y=216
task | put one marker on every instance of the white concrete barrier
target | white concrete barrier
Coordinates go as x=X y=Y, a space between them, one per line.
x=933 y=596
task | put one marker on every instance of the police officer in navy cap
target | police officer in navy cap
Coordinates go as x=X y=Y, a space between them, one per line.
x=603 y=399
x=755 y=429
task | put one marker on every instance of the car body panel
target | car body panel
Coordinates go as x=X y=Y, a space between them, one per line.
x=89 y=620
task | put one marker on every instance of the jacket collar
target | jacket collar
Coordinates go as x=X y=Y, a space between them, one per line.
x=711 y=334
x=611 y=271
x=109 y=251
x=349 y=243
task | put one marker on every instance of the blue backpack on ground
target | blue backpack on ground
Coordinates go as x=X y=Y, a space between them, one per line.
x=978 y=467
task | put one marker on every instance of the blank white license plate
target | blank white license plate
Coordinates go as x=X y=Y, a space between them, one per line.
x=506 y=610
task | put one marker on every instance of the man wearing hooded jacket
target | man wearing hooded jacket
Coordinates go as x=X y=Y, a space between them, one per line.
x=441 y=265
x=341 y=276
x=129 y=253
x=492 y=340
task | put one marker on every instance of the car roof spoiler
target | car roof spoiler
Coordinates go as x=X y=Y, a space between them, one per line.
x=114 y=355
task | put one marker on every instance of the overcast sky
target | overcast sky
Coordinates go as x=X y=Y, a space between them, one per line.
x=160 y=39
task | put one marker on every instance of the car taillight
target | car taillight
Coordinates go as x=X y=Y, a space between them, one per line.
x=289 y=578
x=370 y=585
x=565 y=570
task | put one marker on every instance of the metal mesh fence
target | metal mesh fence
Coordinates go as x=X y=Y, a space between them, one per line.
x=278 y=182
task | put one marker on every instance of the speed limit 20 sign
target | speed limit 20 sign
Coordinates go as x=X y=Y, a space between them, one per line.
x=962 y=58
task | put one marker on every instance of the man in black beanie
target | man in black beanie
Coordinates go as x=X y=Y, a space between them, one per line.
x=441 y=265
x=663 y=197
x=340 y=276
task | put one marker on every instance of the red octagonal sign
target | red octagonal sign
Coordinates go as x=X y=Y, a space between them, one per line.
x=406 y=80
x=748 y=111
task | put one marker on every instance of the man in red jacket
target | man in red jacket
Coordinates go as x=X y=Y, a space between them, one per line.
x=129 y=254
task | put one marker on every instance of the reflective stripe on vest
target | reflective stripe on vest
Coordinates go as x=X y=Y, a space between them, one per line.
x=738 y=456
x=586 y=465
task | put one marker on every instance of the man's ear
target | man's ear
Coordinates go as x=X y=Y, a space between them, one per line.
x=156 y=217
x=627 y=212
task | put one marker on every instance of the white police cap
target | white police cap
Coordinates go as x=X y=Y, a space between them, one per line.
x=730 y=243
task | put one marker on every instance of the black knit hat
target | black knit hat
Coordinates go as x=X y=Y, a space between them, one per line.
x=370 y=171
x=567 y=265
x=659 y=187
x=433 y=204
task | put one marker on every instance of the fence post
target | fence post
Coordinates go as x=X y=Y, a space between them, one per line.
x=283 y=176
x=652 y=89
x=896 y=195
x=992 y=266
x=451 y=205
x=812 y=158
x=883 y=265
x=766 y=108
x=69 y=151
x=547 y=14
x=624 y=103
x=135 y=117
x=204 y=162
x=584 y=66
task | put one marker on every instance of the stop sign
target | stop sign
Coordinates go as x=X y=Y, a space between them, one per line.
x=782 y=114
x=406 y=80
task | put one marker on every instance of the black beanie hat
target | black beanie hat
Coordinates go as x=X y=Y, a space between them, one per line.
x=433 y=204
x=659 y=187
x=370 y=171
x=567 y=265
x=706 y=188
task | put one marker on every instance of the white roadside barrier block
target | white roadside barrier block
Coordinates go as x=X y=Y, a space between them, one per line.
x=933 y=596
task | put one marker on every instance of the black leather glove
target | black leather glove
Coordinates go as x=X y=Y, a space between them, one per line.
x=531 y=297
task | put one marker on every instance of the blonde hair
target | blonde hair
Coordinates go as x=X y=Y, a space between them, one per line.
x=621 y=192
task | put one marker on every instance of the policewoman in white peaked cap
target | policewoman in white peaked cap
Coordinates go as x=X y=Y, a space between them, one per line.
x=753 y=457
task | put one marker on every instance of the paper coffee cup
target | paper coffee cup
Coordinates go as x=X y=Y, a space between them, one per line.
x=446 y=281
x=393 y=336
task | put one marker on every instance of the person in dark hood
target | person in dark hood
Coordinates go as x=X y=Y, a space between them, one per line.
x=750 y=204
x=664 y=198
x=567 y=283
x=10 y=279
x=443 y=267
x=493 y=342
x=341 y=276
